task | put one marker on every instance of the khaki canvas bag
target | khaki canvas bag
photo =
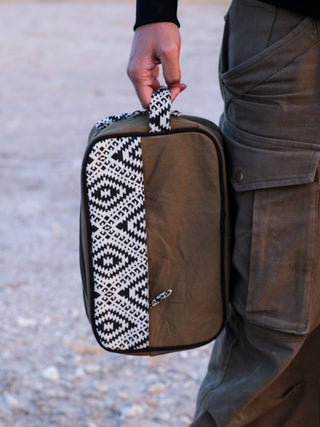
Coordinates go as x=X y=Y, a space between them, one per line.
x=154 y=231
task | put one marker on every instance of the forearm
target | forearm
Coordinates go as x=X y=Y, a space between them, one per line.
x=150 y=11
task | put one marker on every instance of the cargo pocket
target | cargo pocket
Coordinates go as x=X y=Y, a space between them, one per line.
x=247 y=59
x=284 y=233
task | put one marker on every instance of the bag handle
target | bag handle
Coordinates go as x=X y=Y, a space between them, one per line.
x=160 y=111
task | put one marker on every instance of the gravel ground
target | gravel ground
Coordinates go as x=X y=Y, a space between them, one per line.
x=62 y=67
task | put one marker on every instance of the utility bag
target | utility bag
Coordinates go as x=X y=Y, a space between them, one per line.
x=154 y=231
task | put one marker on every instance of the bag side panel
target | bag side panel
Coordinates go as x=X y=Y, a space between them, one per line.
x=113 y=183
x=182 y=175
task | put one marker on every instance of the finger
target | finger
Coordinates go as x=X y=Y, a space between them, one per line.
x=147 y=85
x=171 y=67
x=144 y=90
x=172 y=75
x=144 y=79
x=175 y=90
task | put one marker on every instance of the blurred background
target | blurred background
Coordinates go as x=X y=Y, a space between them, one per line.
x=63 y=67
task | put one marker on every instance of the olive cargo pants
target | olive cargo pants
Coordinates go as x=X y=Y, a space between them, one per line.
x=264 y=370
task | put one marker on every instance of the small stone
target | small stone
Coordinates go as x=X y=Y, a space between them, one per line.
x=164 y=416
x=54 y=392
x=132 y=411
x=26 y=322
x=51 y=373
x=46 y=321
x=38 y=386
x=57 y=228
x=151 y=378
x=6 y=354
x=194 y=375
x=122 y=395
x=11 y=401
x=184 y=355
x=185 y=420
x=157 y=388
x=75 y=313
x=153 y=423
x=152 y=403
x=128 y=373
x=102 y=388
x=92 y=369
x=79 y=373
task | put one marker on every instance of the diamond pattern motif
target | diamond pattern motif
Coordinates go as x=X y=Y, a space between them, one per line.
x=114 y=181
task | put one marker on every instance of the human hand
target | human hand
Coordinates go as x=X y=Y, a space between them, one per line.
x=154 y=44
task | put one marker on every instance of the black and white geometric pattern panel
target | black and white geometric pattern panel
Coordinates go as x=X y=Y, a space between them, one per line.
x=105 y=122
x=160 y=111
x=118 y=231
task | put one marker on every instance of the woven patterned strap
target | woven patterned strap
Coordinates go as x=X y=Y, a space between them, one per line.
x=160 y=111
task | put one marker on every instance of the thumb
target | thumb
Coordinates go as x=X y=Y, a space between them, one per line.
x=172 y=74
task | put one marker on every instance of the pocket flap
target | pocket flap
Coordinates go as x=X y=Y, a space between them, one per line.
x=252 y=168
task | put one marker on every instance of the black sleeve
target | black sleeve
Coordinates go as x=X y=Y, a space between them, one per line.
x=149 y=11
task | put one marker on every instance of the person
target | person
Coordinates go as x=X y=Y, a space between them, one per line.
x=264 y=369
